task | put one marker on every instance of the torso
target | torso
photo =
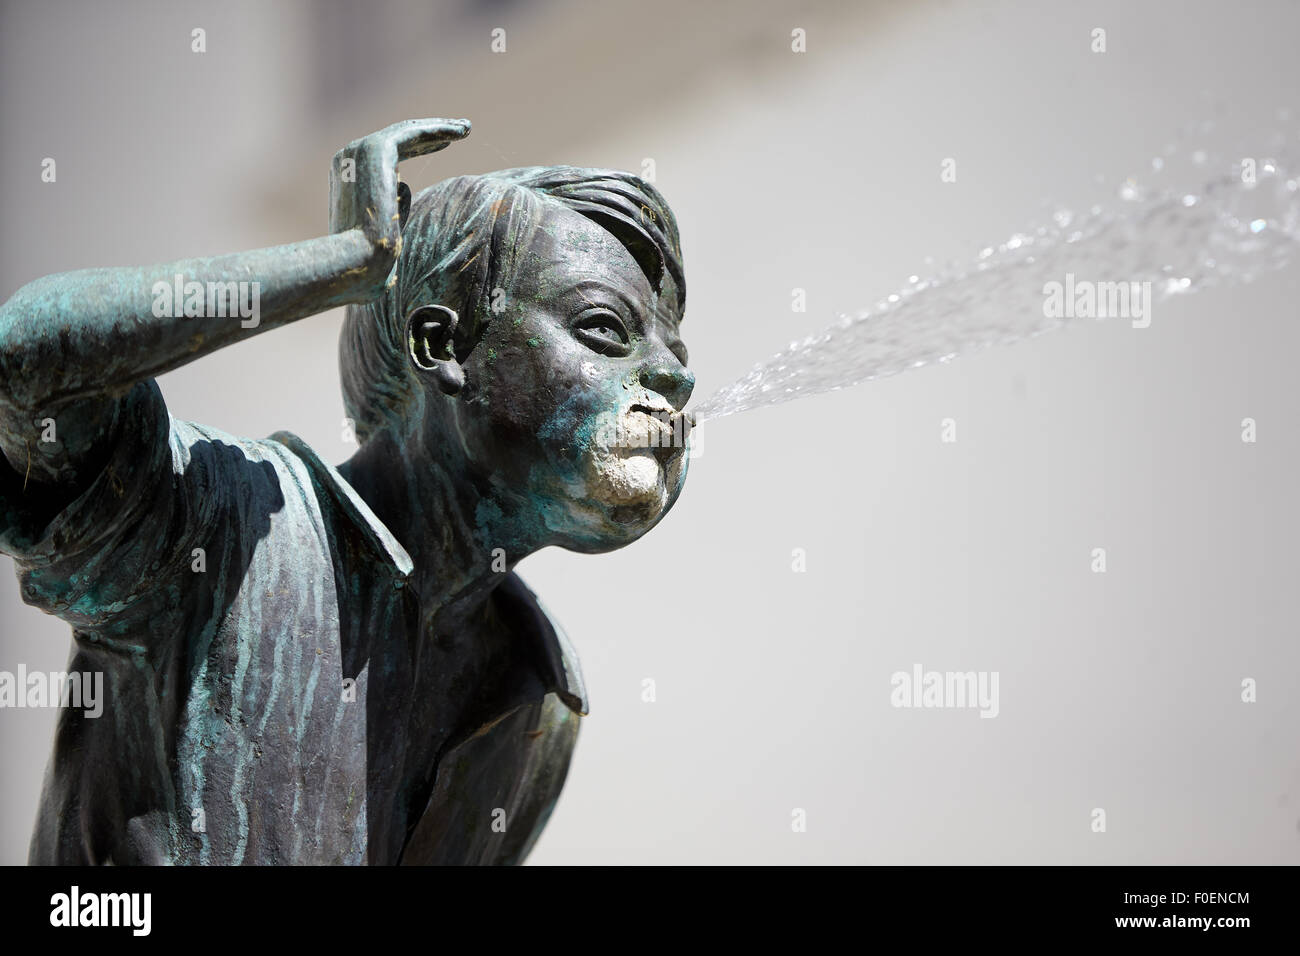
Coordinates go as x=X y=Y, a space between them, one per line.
x=293 y=717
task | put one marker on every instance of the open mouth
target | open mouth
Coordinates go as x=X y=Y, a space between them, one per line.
x=676 y=422
x=667 y=437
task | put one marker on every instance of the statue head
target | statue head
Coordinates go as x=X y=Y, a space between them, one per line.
x=529 y=347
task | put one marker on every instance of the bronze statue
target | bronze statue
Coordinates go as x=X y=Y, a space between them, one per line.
x=305 y=664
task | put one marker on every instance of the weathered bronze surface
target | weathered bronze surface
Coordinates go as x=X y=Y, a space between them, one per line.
x=305 y=664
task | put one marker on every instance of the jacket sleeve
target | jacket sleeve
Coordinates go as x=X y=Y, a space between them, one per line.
x=120 y=551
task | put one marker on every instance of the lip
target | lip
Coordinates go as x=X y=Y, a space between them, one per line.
x=665 y=415
x=672 y=425
x=651 y=409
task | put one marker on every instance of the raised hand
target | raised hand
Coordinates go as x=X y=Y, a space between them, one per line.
x=364 y=187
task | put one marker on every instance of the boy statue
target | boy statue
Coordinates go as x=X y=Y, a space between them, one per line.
x=310 y=665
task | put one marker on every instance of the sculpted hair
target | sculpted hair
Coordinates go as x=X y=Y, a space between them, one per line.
x=462 y=240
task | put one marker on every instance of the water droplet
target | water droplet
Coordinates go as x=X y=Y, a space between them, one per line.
x=952 y=307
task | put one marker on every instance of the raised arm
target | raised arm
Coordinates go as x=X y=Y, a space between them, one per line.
x=72 y=344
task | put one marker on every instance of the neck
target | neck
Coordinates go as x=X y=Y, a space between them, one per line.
x=461 y=538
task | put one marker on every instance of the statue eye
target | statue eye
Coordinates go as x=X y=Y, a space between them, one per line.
x=602 y=331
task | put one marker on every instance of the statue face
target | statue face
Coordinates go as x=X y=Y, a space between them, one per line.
x=568 y=388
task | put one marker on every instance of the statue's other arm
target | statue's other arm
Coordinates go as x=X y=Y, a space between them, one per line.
x=71 y=345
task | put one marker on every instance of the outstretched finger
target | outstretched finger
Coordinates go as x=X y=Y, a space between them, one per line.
x=418 y=137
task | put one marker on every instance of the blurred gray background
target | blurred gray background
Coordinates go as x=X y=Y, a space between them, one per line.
x=819 y=171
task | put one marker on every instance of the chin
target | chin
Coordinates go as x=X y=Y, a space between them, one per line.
x=624 y=493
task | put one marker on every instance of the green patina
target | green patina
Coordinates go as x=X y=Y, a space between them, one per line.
x=293 y=689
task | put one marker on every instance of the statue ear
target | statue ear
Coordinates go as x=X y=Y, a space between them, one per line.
x=430 y=344
x=403 y=204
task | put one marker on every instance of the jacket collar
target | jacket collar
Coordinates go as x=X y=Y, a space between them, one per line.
x=554 y=657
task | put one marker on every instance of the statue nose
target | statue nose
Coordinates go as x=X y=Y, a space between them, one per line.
x=672 y=381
